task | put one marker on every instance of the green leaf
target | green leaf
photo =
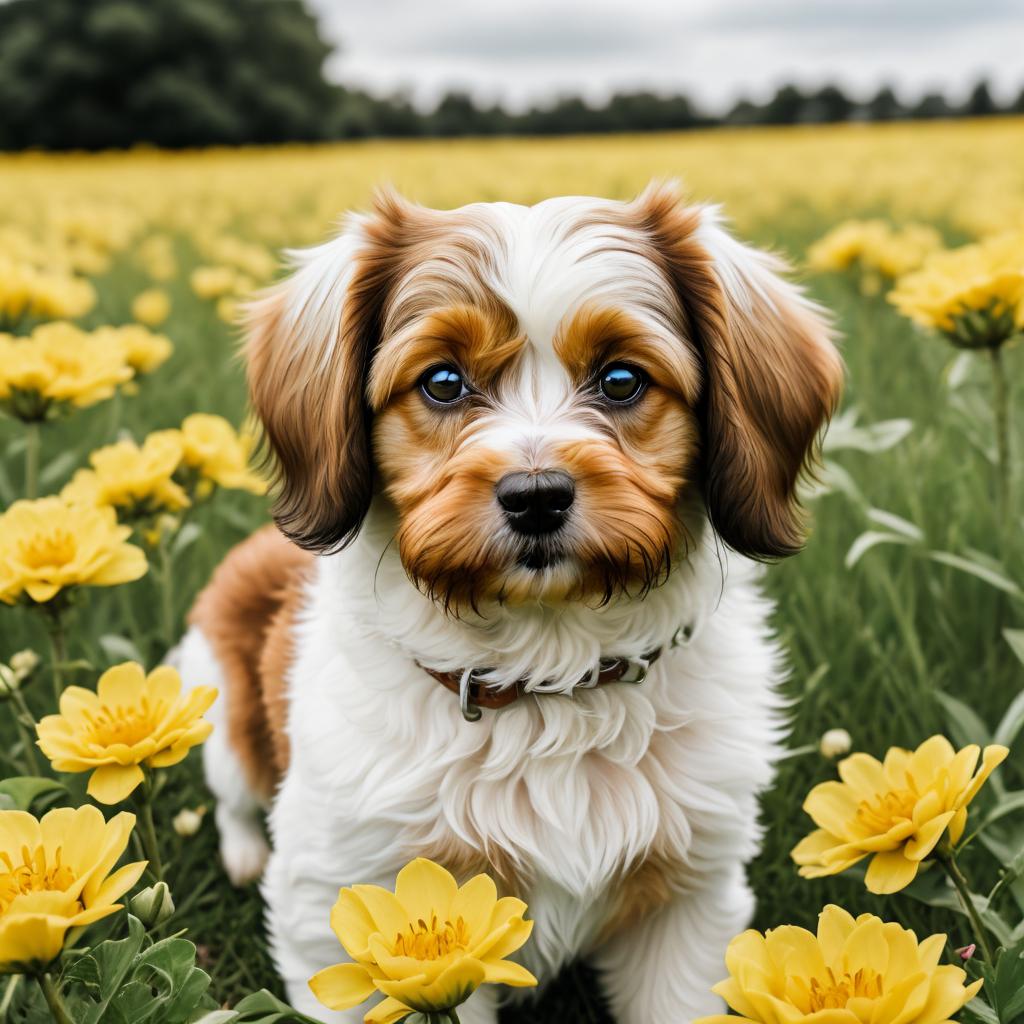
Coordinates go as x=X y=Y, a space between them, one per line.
x=1011 y=723
x=265 y=1008
x=963 y=722
x=185 y=538
x=120 y=648
x=844 y=434
x=103 y=970
x=871 y=539
x=979 y=1011
x=216 y=1017
x=1015 y=638
x=25 y=790
x=896 y=523
x=57 y=469
x=974 y=568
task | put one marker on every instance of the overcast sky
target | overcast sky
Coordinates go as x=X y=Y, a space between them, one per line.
x=715 y=50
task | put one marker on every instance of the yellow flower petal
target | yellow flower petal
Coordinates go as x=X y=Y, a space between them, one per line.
x=474 y=903
x=387 y=1011
x=384 y=908
x=122 y=685
x=112 y=783
x=425 y=889
x=505 y=972
x=452 y=987
x=352 y=923
x=342 y=986
x=833 y=807
x=890 y=872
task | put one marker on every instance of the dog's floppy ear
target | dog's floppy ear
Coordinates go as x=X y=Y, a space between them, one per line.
x=309 y=343
x=773 y=376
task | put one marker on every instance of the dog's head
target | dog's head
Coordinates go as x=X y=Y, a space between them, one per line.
x=539 y=390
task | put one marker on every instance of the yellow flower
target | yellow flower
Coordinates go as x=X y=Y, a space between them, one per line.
x=142 y=350
x=974 y=295
x=217 y=452
x=55 y=874
x=47 y=546
x=151 y=307
x=135 y=480
x=26 y=290
x=879 y=249
x=851 y=971
x=213 y=282
x=58 y=363
x=132 y=720
x=896 y=811
x=428 y=946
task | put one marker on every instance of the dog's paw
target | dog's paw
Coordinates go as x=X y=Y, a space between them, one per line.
x=243 y=849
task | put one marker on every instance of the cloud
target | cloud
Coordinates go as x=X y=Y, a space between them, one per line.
x=524 y=51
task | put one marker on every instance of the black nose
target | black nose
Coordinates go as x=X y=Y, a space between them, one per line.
x=536 y=503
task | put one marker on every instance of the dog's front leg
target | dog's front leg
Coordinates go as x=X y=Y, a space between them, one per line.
x=660 y=970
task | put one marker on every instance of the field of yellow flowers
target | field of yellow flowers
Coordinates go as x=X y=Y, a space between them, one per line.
x=124 y=477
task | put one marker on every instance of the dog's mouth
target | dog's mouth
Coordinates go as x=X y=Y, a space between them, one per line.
x=540 y=556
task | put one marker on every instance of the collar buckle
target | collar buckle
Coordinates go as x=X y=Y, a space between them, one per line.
x=470 y=712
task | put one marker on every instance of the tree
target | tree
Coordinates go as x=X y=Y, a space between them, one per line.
x=168 y=72
x=980 y=102
x=785 y=107
x=828 y=105
x=932 y=105
x=884 y=106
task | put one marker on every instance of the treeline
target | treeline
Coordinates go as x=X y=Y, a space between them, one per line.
x=458 y=114
x=97 y=74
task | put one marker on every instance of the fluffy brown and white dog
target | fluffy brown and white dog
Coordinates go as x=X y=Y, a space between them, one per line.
x=530 y=455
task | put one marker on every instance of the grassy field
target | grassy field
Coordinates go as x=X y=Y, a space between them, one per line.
x=870 y=646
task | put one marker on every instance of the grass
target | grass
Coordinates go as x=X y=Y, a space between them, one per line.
x=869 y=646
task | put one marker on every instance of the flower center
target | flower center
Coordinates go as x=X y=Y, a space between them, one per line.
x=880 y=814
x=31 y=874
x=112 y=725
x=834 y=993
x=432 y=941
x=42 y=551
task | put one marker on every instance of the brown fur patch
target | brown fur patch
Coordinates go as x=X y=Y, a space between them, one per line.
x=310 y=343
x=245 y=613
x=641 y=892
x=773 y=380
x=463 y=861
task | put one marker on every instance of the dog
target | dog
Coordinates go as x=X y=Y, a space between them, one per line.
x=529 y=461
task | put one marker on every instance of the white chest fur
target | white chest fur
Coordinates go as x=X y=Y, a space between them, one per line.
x=571 y=789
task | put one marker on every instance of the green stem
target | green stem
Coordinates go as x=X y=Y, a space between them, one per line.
x=21 y=716
x=147 y=830
x=58 y=654
x=12 y=986
x=963 y=890
x=166 y=590
x=453 y=1016
x=53 y=1000
x=32 y=460
x=1001 y=416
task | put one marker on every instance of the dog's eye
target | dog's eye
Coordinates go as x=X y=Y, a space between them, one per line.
x=621 y=383
x=443 y=384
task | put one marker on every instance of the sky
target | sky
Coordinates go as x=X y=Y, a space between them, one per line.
x=524 y=51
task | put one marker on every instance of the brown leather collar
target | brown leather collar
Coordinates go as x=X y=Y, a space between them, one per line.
x=474 y=694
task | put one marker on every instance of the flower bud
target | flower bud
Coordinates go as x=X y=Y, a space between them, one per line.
x=9 y=682
x=835 y=743
x=186 y=822
x=24 y=663
x=153 y=906
x=966 y=952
